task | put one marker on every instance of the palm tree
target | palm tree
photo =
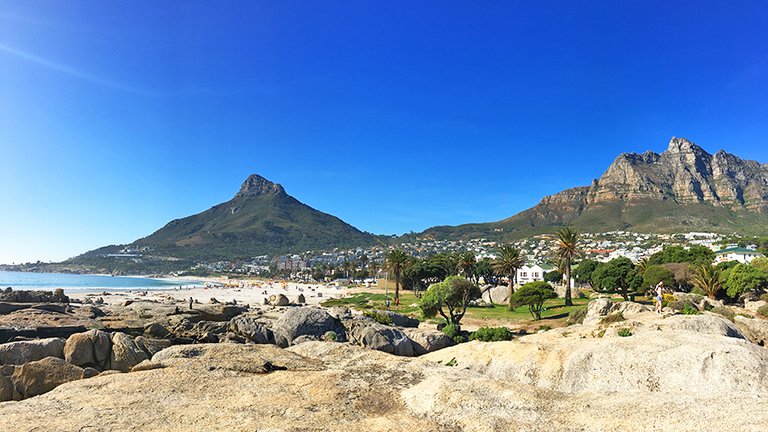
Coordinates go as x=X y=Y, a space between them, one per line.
x=507 y=264
x=467 y=264
x=707 y=278
x=395 y=261
x=641 y=266
x=567 y=249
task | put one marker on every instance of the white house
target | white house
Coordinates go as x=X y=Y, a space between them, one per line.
x=735 y=253
x=531 y=273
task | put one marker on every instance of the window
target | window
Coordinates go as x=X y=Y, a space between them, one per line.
x=535 y=274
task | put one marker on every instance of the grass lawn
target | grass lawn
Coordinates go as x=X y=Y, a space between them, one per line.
x=554 y=309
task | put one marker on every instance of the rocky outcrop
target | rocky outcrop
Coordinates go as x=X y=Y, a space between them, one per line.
x=279 y=300
x=754 y=329
x=496 y=294
x=379 y=337
x=250 y=328
x=427 y=341
x=91 y=348
x=125 y=353
x=38 y=377
x=305 y=321
x=397 y=319
x=16 y=353
x=30 y=296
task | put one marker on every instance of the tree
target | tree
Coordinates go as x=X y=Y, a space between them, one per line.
x=507 y=264
x=656 y=273
x=396 y=260
x=485 y=270
x=467 y=264
x=533 y=295
x=707 y=278
x=567 y=250
x=760 y=263
x=695 y=255
x=743 y=278
x=449 y=298
x=615 y=275
x=583 y=271
x=683 y=274
x=553 y=276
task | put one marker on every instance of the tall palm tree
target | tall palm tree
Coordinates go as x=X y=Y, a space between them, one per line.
x=467 y=264
x=707 y=278
x=507 y=264
x=641 y=266
x=567 y=250
x=395 y=261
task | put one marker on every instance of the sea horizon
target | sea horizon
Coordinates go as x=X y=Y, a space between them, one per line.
x=88 y=282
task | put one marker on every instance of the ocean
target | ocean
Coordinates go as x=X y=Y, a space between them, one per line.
x=78 y=282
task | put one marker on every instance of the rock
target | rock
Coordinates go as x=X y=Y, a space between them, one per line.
x=755 y=330
x=370 y=334
x=156 y=330
x=629 y=309
x=424 y=341
x=151 y=346
x=753 y=306
x=89 y=372
x=6 y=389
x=297 y=322
x=125 y=353
x=399 y=320
x=31 y=296
x=41 y=376
x=279 y=300
x=301 y=299
x=340 y=312
x=496 y=294
x=707 y=323
x=17 y=353
x=251 y=329
x=597 y=309
x=304 y=339
x=250 y=358
x=91 y=348
x=91 y=311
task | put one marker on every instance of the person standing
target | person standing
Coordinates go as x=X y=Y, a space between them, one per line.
x=659 y=293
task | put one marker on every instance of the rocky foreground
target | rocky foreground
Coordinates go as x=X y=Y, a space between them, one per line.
x=668 y=373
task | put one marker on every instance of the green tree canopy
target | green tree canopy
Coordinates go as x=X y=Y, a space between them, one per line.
x=449 y=299
x=615 y=275
x=743 y=278
x=583 y=271
x=533 y=295
x=509 y=260
x=553 y=276
x=656 y=273
x=760 y=264
x=695 y=255
x=706 y=277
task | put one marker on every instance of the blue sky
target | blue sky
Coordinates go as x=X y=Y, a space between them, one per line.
x=117 y=117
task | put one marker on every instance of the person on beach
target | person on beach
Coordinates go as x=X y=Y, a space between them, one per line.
x=659 y=293
x=190 y=303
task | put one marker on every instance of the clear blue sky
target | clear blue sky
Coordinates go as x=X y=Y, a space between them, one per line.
x=116 y=117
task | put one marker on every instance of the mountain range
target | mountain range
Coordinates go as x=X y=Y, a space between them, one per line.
x=682 y=189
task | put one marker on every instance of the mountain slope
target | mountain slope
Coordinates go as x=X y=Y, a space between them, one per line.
x=682 y=189
x=260 y=219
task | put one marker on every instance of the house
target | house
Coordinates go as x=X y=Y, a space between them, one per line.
x=735 y=253
x=532 y=272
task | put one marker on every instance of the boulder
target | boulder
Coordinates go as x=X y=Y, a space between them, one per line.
x=31 y=296
x=340 y=312
x=597 y=309
x=6 y=389
x=17 y=353
x=156 y=330
x=753 y=306
x=91 y=348
x=707 y=323
x=629 y=309
x=305 y=338
x=755 y=330
x=125 y=353
x=370 y=334
x=427 y=341
x=399 y=320
x=249 y=328
x=496 y=294
x=297 y=322
x=301 y=299
x=151 y=346
x=279 y=300
x=91 y=311
x=38 y=377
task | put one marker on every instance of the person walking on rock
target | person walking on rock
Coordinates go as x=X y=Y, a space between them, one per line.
x=659 y=292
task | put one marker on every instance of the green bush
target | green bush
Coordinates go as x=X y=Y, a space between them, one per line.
x=624 y=332
x=689 y=309
x=724 y=311
x=680 y=305
x=544 y=328
x=763 y=311
x=613 y=318
x=576 y=317
x=460 y=339
x=378 y=317
x=764 y=297
x=451 y=331
x=491 y=334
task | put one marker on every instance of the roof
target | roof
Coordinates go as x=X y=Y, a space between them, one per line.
x=737 y=250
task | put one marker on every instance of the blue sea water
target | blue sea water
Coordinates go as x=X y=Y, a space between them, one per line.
x=51 y=281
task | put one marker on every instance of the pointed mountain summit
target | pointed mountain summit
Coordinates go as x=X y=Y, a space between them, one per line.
x=682 y=189
x=260 y=219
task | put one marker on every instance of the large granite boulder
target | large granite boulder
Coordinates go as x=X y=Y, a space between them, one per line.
x=38 y=377
x=427 y=341
x=151 y=346
x=597 y=309
x=21 y=352
x=370 y=334
x=399 y=320
x=279 y=300
x=496 y=294
x=755 y=330
x=303 y=321
x=125 y=353
x=91 y=348
x=156 y=330
x=249 y=328
x=6 y=389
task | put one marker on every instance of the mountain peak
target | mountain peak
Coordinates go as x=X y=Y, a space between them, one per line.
x=682 y=145
x=256 y=185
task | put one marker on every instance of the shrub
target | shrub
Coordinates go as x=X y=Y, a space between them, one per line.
x=666 y=299
x=544 y=328
x=613 y=318
x=533 y=295
x=624 y=332
x=763 y=311
x=378 y=317
x=576 y=317
x=680 y=305
x=460 y=339
x=764 y=297
x=689 y=309
x=451 y=331
x=491 y=334
x=724 y=311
